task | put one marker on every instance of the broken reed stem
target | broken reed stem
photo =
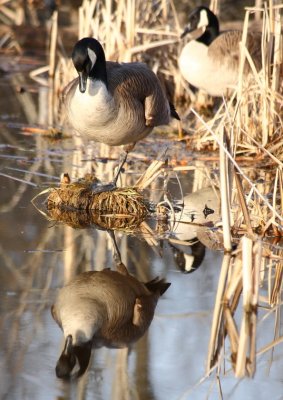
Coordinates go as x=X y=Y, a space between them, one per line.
x=241 y=362
x=276 y=289
x=241 y=277
x=251 y=261
x=224 y=193
x=270 y=346
x=243 y=204
x=216 y=336
x=257 y=257
x=53 y=43
x=150 y=174
x=242 y=56
x=52 y=62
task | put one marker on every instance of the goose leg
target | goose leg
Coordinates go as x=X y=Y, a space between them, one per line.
x=122 y=162
x=116 y=251
x=126 y=149
x=120 y=266
x=108 y=187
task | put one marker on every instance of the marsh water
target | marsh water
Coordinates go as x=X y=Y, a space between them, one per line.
x=39 y=256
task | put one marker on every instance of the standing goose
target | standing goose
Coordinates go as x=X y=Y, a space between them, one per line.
x=103 y=308
x=112 y=103
x=211 y=62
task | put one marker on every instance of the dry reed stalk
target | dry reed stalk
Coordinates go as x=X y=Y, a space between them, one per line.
x=245 y=362
x=152 y=172
x=270 y=346
x=257 y=112
x=277 y=205
x=262 y=199
x=235 y=278
x=243 y=205
x=214 y=6
x=231 y=301
x=216 y=335
x=277 y=285
x=52 y=61
x=232 y=332
x=225 y=193
x=239 y=275
x=9 y=14
x=53 y=43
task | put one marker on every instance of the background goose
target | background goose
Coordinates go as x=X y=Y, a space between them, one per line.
x=102 y=308
x=211 y=62
x=113 y=103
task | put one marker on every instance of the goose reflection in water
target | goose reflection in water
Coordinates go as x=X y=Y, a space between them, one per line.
x=102 y=308
x=188 y=258
x=194 y=228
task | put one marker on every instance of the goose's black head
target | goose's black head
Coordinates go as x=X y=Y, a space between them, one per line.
x=188 y=263
x=203 y=18
x=89 y=60
x=70 y=357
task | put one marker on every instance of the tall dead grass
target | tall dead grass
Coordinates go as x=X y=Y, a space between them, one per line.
x=252 y=200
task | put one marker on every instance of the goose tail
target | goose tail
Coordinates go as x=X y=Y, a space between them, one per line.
x=173 y=112
x=157 y=285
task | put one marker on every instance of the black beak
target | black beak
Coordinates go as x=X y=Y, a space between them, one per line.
x=82 y=81
x=186 y=31
x=83 y=353
x=67 y=360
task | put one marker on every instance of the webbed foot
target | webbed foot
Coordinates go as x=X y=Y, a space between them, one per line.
x=108 y=187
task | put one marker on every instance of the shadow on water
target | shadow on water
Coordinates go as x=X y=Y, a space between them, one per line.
x=39 y=256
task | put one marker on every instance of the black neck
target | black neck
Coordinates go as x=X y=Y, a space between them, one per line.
x=98 y=72
x=210 y=33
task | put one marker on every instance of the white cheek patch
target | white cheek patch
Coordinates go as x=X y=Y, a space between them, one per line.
x=203 y=21
x=92 y=56
x=189 y=259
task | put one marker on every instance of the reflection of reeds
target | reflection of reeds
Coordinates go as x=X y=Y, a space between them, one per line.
x=239 y=275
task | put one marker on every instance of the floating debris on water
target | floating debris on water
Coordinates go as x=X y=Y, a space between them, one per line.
x=79 y=196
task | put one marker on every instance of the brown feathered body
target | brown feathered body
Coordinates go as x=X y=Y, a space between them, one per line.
x=107 y=307
x=124 y=111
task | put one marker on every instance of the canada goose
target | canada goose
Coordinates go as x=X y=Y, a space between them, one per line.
x=103 y=308
x=193 y=217
x=112 y=103
x=211 y=62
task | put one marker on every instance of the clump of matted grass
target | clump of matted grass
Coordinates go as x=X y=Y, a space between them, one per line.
x=79 y=196
x=80 y=219
x=75 y=204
